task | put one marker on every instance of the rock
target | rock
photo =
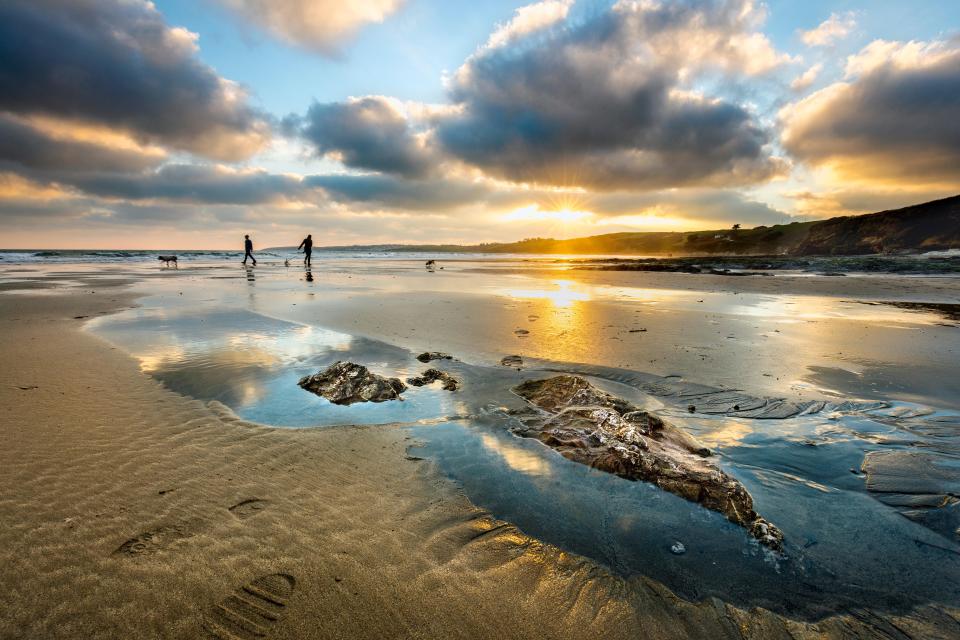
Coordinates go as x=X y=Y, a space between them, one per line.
x=432 y=375
x=555 y=394
x=588 y=425
x=346 y=383
x=677 y=548
x=512 y=361
x=427 y=356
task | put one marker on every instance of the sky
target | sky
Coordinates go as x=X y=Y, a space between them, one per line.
x=189 y=123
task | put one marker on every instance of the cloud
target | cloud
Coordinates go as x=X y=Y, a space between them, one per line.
x=527 y=20
x=834 y=28
x=371 y=133
x=807 y=78
x=605 y=103
x=892 y=120
x=397 y=193
x=828 y=203
x=319 y=25
x=33 y=147
x=116 y=63
x=213 y=184
x=706 y=206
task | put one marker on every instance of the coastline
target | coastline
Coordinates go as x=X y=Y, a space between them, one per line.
x=379 y=545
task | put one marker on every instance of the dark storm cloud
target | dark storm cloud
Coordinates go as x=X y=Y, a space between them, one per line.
x=597 y=104
x=194 y=183
x=391 y=192
x=895 y=118
x=118 y=64
x=369 y=133
x=25 y=147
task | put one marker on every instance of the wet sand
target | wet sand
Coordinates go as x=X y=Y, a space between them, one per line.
x=131 y=511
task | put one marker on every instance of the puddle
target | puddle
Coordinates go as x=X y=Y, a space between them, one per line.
x=252 y=363
x=844 y=548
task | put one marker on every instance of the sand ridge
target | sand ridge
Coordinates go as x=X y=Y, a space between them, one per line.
x=133 y=512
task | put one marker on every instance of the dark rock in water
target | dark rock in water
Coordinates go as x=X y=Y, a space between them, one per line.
x=427 y=356
x=432 y=375
x=728 y=272
x=588 y=425
x=512 y=361
x=346 y=383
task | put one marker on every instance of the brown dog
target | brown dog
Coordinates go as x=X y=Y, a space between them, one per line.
x=168 y=260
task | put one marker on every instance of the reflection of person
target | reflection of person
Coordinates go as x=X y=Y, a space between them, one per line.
x=248 y=250
x=307 y=246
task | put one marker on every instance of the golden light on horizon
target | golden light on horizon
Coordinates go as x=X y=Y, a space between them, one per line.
x=562 y=295
x=533 y=212
x=646 y=221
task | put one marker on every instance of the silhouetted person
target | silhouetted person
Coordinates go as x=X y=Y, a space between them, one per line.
x=248 y=248
x=307 y=246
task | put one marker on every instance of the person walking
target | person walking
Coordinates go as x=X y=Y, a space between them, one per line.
x=307 y=246
x=248 y=250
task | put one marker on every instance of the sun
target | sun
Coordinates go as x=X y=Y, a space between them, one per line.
x=534 y=212
x=563 y=207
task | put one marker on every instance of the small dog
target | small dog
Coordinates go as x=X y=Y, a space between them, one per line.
x=168 y=260
x=431 y=265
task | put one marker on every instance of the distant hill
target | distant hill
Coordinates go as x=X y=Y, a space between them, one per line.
x=930 y=226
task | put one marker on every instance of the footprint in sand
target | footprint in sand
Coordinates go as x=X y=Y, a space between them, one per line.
x=153 y=540
x=247 y=508
x=251 y=610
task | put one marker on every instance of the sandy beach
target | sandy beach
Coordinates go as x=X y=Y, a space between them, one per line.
x=131 y=510
x=513 y=320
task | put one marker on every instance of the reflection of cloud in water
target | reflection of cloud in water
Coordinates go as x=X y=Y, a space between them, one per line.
x=157 y=358
x=252 y=363
x=726 y=433
x=517 y=458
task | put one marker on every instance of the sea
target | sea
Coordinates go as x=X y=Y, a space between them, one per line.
x=930 y=263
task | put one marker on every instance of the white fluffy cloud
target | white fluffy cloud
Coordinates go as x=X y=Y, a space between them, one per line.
x=319 y=25
x=529 y=19
x=807 y=78
x=834 y=28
